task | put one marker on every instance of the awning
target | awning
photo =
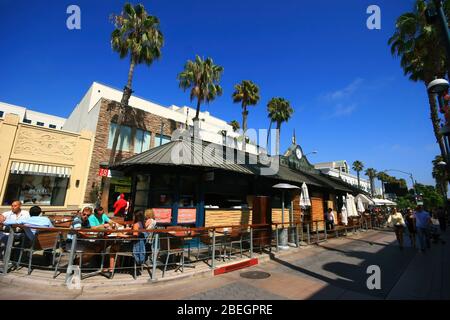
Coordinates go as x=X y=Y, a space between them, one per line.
x=384 y=202
x=40 y=169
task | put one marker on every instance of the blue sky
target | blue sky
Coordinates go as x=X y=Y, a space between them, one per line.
x=350 y=97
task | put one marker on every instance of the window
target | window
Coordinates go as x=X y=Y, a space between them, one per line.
x=40 y=124
x=1 y=114
x=159 y=141
x=141 y=141
x=36 y=190
x=27 y=121
x=52 y=126
x=124 y=137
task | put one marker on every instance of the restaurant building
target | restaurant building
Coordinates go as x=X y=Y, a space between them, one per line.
x=206 y=184
x=40 y=165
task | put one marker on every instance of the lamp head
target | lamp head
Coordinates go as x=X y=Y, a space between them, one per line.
x=438 y=86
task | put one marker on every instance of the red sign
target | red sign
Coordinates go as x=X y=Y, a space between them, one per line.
x=163 y=215
x=187 y=215
x=103 y=172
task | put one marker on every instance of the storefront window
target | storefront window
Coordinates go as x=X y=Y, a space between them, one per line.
x=142 y=141
x=142 y=192
x=159 y=141
x=36 y=189
x=124 y=137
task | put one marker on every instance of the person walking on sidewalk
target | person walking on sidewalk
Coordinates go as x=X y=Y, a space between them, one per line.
x=423 y=220
x=411 y=225
x=396 y=221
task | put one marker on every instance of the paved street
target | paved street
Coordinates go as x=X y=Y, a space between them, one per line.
x=335 y=269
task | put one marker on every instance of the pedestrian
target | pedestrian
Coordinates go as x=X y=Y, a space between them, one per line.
x=411 y=225
x=423 y=220
x=120 y=206
x=330 y=219
x=397 y=222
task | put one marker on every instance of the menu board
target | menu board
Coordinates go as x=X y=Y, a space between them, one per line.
x=163 y=215
x=187 y=215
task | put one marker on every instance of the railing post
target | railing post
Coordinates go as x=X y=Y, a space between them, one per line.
x=325 y=231
x=308 y=233
x=251 y=242
x=213 y=254
x=69 y=270
x=276 y=235
x=155 y=250
x=297 y=242
x=317 y=231
x=8 y=249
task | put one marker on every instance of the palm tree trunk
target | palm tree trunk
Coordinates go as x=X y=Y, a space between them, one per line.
x=278 y=138
x=196 y=119
x=268 y=133
x=435 y=122
x=372 y=186
x=112 y=157
x=357 y=174
x=244 y=125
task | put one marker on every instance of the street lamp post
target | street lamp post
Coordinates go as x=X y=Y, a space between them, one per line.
x=444 y=27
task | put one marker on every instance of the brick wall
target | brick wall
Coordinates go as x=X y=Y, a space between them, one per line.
x=135 y=118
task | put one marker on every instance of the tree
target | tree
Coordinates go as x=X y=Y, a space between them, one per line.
x=440 y=176
x=247 y=93
x=202 y=77
x=421 y=51
x=383 y=177
x=358 y=167
x=430 y=195
x=371 y=173
x=279 y=111
x=235 y=125
x=138 y=37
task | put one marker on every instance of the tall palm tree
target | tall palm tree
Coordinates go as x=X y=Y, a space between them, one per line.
x=279 y=110
x=383 y=177
x=371 y=173
x=235 y=125
x=421 y=51
x=138 y=37
x=358 y=167
x=247 y=93
x=440 y=176
x=202 y=77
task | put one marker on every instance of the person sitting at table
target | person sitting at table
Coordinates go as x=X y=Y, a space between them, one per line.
x=11 y=217
x=150 y=222
x=99 y=220
x=35 y=220
x=139 y=237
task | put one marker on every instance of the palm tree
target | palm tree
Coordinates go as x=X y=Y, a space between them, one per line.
x=358 y=167
x=202 y=77
x=440 y=176
x=138 y=37
x=383 y=177
x=279 y=110
x=421 y=52
x=247 y=93
x=371 y=173
x=235 y=125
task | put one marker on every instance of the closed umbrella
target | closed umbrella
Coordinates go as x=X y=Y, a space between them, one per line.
x=304 y=197
x=344 y=215
x=361 y=208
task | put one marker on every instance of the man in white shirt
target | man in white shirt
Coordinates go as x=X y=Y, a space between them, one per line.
x=16 y=213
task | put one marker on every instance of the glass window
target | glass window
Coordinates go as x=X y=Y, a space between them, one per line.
x=124 y=137
x=1 y=114
x=36 y=190
x=159 y=141
x=141 y=141
x=40 y=124
x=27 y=121
x=52 y=126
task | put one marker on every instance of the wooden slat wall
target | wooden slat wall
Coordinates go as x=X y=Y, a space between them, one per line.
x=227 y=217
x=317 y=211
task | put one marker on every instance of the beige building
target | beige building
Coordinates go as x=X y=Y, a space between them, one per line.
x=42 y=166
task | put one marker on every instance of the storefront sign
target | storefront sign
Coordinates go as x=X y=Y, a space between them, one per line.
x=187 y=215
x=122 y=189
x=163 y=215
x=103 y=172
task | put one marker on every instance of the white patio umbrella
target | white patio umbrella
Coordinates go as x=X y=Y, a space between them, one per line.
x=361 y=208
x=344 y=215
x=304 y=197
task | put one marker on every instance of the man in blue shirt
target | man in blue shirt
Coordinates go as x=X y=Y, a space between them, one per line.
x=423 y=220
x=99 y=220
x=35 y=220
